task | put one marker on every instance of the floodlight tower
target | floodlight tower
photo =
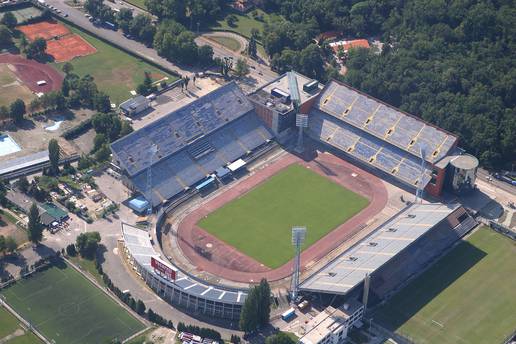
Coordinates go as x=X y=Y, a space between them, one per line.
x=419 y=190
x=152 y=151
x=298 y=238
x=301 y=119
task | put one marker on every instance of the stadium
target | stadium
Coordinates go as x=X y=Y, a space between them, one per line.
x=229 y=175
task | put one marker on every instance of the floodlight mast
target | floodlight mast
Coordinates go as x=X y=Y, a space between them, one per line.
x=301 y=120
x=298 y=238
x=153 y=150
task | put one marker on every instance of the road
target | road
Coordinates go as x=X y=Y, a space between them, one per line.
x=259 y=75
x=483 y=174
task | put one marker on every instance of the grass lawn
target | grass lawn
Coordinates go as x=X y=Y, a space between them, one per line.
x=67 y=308
x=469 y=296
x=9 y=324
x=115 y=72
x=259 y=223
x=245 y=22
x=228 y=42
x=88 y=266
x=138 y=3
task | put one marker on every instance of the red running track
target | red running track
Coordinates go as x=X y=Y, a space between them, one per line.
x=210 y=254
x=30 y=72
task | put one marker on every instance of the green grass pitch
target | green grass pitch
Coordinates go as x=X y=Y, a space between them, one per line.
x=468 y=296
x=69 y=309
x=259 y=223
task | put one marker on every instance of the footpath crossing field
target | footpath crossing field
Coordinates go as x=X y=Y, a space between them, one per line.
x=69 y=309
x=469 y=296
x=12 y=333
x=259 y=223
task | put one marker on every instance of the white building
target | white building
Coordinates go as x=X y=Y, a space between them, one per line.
x=331 y=326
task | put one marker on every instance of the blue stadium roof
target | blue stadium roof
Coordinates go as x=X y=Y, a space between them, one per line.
x=180 y=128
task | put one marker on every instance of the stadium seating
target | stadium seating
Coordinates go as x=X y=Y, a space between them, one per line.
x=386 y=123
x=192 y=143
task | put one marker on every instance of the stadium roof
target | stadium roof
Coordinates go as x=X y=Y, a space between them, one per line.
x=387 y=123
x=138 y=243
x=349 y=269
x=180 y=128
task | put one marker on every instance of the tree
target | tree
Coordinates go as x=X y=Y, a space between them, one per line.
x=4 y=112
x=103 y=154
x=231 y=20
x=205 y=55
x=256 y=308
x=241 y=68
x=2 y=244
x=10 y=245
x=87 y=244
x=9 y=20
x=3 y=192
x=17 y=110
x=140 y=307
x=5 y=36
x=279 y=338
x=251 y=47
x=84 y=162
x=67 y=68
x=23 y=184
x=146 y=87
x=101 y=102
x=35 y=227
x=126 y=128
x=53 y=155
x=99 y=141
x=36 y=49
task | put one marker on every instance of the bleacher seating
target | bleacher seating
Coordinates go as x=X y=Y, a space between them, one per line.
x=192 y=143
x=386 y=123
x=367 y=148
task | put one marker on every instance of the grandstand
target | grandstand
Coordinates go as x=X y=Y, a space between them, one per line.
x=378 y=135
x=184 y=291
x=192 y=143
x=397 y=249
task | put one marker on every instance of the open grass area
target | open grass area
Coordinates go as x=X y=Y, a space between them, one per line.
x=468 y=296
x=245 y=22
x=114 y=71
x=67 y=308
x=138 y=3
x=259 y=223
x=88 y=266
x=10 y=88
x=228 y=42
x=10 y=326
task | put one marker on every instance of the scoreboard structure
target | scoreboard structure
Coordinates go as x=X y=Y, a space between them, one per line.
x=163 y=269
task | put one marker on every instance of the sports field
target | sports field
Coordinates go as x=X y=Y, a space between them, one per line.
x=259 y=223
x=68 y=309
x=469 y=296
x=12 y=333
x=11 y=88
x=115 y=72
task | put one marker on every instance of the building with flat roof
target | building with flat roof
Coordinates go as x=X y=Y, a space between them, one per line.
x=274 y=104
x=134 y=106
x=331 y=326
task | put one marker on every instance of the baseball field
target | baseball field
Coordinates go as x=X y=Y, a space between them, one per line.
x=259 y=223
x=468 y=296
x=67 y=308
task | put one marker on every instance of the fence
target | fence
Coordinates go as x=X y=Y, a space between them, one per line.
x=498 y=227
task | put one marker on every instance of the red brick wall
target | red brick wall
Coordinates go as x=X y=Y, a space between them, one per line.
x=436 y=189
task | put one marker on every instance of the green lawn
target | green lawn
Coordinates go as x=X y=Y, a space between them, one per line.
x=115 y=72
x=259 y=223
x=469 y=296
x=88 y=266
x=67 y=308
x=228 y=42
x=9 y=324
x=138 y=3
x=245 y=22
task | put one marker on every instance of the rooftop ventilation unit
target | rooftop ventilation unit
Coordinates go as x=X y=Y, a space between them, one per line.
x=392 y=229
x=310 y=86
x=372 y=243
x=352 y=258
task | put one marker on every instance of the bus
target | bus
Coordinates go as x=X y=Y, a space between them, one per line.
x=288 y=314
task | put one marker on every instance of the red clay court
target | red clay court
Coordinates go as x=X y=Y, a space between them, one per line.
x=227 y=262
x=62 y=44
x=30 y=72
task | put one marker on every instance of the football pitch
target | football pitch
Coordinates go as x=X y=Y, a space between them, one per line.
x=69 y=309
x=468 y=296
x=259 y=223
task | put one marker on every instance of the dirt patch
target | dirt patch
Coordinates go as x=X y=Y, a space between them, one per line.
x=11 y=88
x=30 y=72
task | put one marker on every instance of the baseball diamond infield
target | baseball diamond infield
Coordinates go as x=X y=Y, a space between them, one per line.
x=209 y=253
